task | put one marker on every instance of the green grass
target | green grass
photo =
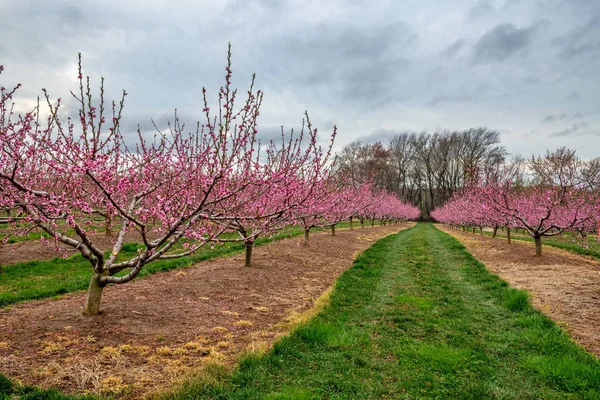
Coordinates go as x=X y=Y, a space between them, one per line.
x=11 y=391
x=43 y=279
x=415 y=317
x=37 y=234
x=565 y=243
x=14 y=392
x=25 y=238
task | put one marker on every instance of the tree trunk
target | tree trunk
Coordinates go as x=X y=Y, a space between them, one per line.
x=249 y=247
x=481 y=230
x=473 y=230
x=92 y=304
x=372 y=222
x=362 y=223
x=351 y=227
x=305 y=242
x=332 y=230
x=495 y=232
x=108 y=227
x=508 y=234
x=538 y=245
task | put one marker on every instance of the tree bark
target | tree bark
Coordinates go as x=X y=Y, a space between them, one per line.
x=495 y=232
x=332 y=230
x=481 y=230
x=473 y=230
x=92 y=304
x=538 y=245
x=351 y=227
x=305 y=242
x=108 y=227
x=249 y=247
x=508 y=234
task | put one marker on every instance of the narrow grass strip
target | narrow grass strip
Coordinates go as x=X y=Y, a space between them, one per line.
x=49 y=278
x=554 y=241
x=43 y=279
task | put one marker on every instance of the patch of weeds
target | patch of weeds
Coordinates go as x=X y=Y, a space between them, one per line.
x=6 y=385
x=516 y=300
x=566 y=372
x=291 y=393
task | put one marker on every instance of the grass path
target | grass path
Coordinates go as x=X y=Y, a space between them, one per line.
x=416 y=317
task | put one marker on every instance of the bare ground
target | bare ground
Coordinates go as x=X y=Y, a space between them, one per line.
x=154 y=332
x=565 y=286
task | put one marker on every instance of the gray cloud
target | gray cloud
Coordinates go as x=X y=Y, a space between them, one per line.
x=480 y=9
x=553 y=118
x=532 y=80
x=500 y=43
x=359 y=64
x=452 y=50
x=464 y=94
x=355 y=65
x=572 y=96
x=267 y=134
x=382 y=135
x=583 y=40
x=574 y=129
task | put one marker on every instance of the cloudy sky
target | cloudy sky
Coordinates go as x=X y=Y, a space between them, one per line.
x=527 y=68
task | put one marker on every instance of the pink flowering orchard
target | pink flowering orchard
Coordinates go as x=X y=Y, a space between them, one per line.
x=59 y=173
x=176 y=191
x=282 y=189
x=545 y=207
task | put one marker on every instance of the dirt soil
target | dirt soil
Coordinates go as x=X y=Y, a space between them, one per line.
x=565 y=286
x=34 y=250
x=155 y=331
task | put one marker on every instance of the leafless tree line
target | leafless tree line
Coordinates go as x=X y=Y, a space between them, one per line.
x=424 y=168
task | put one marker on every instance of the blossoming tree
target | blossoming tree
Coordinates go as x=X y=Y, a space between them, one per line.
x=59 y=173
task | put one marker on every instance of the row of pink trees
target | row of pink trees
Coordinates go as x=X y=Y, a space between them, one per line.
x=340 y=203
x=552 y=202
x=178 y=190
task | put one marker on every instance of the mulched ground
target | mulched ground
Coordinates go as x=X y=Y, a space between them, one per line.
x=565 y=286
x=155 y=331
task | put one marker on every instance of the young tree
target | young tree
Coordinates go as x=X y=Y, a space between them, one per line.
x=284 y=188
x=59 y=174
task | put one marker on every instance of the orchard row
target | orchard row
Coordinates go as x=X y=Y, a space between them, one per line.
x=179 y=189
x=546 y=196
